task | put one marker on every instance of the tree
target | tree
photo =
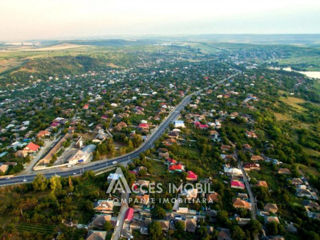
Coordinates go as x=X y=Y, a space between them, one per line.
x=137 y=140
x=108 y=226
x=39 y=183
x=238 y=233
x=71 y=188
x=155 y=230
x=180 y=229
x=158 y=212
x=55 y=183
x=273 y=228
x=255 y=227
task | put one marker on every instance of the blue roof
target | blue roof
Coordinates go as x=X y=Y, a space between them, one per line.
x=3 y=154
x=178 y=121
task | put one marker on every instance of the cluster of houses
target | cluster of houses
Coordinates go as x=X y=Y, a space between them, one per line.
x=310 y=196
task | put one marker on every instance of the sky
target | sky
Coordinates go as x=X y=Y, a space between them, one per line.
x=71 y=19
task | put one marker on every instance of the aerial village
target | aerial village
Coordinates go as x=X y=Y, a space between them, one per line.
x=223 y=138
x=241 y=192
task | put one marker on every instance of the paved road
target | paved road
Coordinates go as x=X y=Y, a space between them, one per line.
x=252 y=198
x=106 y=163
x=120 y=219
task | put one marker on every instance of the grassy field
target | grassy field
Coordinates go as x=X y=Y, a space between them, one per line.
x=282 y=117
x=294 y=102
x=35 y=228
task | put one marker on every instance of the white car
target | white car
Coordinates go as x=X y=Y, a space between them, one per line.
x=114 y=162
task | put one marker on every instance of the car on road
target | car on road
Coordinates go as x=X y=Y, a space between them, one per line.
x=114 y=162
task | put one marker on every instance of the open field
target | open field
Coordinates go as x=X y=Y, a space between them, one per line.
x=282 y=117
x=294 y=102
x=62 y=46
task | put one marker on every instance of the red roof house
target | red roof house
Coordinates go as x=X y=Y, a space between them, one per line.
x=129 y=214
x=191 y=176
x=176 y=168
x=201 y=126
x=144 y=125
x=31 y=147
x=171 y=161
x=85 y=107
x=43 y=133
x=237 y=184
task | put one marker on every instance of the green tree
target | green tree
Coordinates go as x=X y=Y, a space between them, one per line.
x=40 y=183
x=238 y=233
x=273 y=228
x=155 y=231
x=55 y=183
x=108 y=226
x=158 y=212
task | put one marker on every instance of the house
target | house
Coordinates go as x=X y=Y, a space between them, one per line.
x=239 y=203
x=242 y=195
x=237 y=184
x=86 y=107
x=311 y=205
x=171 y=161
x=43 y=133
x=296 y=181
x=191 y=193
x=262 y=184
x=277 y=238
x=104 y=117
x=173 y=134
x=176 y=168
x=224 y=234
x=247 y=147
x=225 y=148
x=214 y=135
x=284 y=171
x=314 y=215
x=191 y=176
x=234 y=115
x=120 y=126
x=3 y=168
x=104 y=206
x=272 y=219
x=271 y=207
x=232 y=171
x=256 y=158
x=179 y=124
x=144 y=126
x=163 y=152
x=251 y=166
x=144 y=199
x=213 y=197
x=165 y=224
x=251 y=134
x=200 y=125
x=183 y=210
x=228 y=157
x=31 y=148
x=306 y=193
x=242 y=221
x=129 y=215
x=100 y=220
x=191 y=224
x=96 y=235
